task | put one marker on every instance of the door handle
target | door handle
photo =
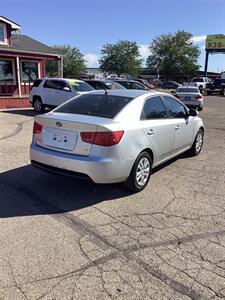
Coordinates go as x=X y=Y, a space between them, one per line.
x=177 y=127
x=150 y=132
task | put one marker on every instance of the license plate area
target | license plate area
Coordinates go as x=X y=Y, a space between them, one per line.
x=59 y=138
x=187 y=98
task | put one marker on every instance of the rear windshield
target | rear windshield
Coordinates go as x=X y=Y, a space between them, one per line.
x=105 y=106
x=189 y=90
x=114 y=85
x=81 y=86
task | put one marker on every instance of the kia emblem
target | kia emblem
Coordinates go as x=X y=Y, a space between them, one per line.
x=59 y=124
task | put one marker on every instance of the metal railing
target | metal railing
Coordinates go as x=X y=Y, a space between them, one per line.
x=11 y=88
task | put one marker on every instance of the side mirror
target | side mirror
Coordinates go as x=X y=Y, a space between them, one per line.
x=172 y=92
x=67 y=89
x=193 y=112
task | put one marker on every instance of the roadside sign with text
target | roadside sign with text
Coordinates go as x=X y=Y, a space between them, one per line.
x=214 y=42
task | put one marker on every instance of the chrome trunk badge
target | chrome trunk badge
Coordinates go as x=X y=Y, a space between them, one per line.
x=59 y=124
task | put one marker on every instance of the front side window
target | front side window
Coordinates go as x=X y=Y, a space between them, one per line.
x=29 y=70
x=153 y=109
x=105 y=106
x=175 y=108
x=6 y=70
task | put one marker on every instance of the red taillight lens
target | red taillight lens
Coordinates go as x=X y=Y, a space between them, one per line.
x=178 y=97
x=199 y=97
x=37 y=128
x=103 y=138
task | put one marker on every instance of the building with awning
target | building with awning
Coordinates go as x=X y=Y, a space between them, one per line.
x=22 y=61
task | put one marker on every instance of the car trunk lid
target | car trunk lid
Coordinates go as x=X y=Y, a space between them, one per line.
x=62 y=132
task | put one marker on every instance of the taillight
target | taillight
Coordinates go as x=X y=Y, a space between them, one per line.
x=102 y=138
x=178 y=97
x=37 y=128
x=198 y=97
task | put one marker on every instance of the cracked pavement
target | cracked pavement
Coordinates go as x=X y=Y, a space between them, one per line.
x=62 y=238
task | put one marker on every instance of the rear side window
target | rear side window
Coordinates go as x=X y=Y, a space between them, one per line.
x=153 y=109
x=176 y=109
x=105 y=106
x=37 y=82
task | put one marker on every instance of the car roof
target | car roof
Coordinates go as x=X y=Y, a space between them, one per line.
x=123 y=93
x=65 y=79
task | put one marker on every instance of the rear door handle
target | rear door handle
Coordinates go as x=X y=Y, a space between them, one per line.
x=150 y=132
x=177 y=127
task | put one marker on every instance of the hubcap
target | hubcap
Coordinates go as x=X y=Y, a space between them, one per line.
x=199 y=142
x=142 y=171
x=37 y=105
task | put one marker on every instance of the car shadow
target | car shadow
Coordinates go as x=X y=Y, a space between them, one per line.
x=27 y=191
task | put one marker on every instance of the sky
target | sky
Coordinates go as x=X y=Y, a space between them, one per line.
x=89 y=24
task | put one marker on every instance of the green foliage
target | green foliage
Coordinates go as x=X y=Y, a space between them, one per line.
x=73 y=62
x=174 y=54
x=121 y=58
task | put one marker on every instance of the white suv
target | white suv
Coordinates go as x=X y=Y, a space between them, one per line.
x=51 y=92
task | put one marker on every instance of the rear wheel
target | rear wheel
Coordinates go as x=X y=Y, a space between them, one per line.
x=198 y=143
x=38 y=105
x=140 y=173
x=200 y=108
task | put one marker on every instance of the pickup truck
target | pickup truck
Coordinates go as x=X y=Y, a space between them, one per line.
x=216 y=87
x=199 y=82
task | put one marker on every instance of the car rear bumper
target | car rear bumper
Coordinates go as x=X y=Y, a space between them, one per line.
x=193 y=103
x=99 y=170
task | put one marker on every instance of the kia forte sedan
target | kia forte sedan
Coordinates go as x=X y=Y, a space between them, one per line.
x=115 y=136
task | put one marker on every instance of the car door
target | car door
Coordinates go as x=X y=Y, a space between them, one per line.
x=158 y=128
x=64 y=92
x=49 y=91
x=182 y=123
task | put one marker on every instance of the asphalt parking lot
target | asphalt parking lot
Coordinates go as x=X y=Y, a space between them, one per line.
x=62 y=238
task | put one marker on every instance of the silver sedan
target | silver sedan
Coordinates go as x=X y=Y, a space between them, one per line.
x=190 y=96
x=115 y=136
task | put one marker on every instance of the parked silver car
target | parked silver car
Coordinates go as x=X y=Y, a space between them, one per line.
x=115 y=136
x=190 y=96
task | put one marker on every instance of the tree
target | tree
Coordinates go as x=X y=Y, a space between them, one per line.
x=73 y=62
x=121 y=58
x=174 y=54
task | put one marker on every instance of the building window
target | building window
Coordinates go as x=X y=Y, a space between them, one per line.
x=29 y=70
x=3 y=37
x=6 y=70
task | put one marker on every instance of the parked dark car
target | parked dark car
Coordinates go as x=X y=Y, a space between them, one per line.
x=171 y=85
x=132 y=84
x=104 y=84
x=216 y=87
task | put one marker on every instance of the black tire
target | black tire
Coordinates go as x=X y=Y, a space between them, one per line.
x=201 y=89
x=200 y=108
x=132 y=183
x=38 y=105
x=222 y=93
x=195 y=150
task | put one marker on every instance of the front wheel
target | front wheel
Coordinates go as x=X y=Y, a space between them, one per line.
x=198 y=143
x=140 y=173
